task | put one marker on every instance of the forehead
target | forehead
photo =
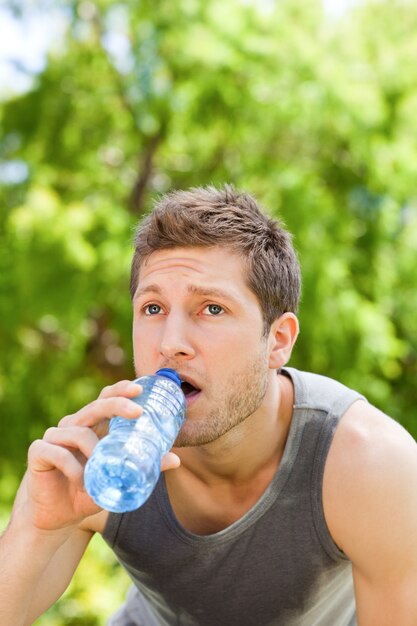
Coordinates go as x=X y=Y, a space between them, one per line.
x=213 y=260
x=215 y=266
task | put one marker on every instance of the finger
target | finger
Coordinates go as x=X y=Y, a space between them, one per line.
x=44 y=456
x=170 y=461
x=77 y=437
x=102 y=409
x=122 y=388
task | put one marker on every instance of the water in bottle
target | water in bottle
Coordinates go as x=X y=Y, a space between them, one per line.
x=125 y=465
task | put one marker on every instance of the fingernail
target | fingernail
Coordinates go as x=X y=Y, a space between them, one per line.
x=135 y=387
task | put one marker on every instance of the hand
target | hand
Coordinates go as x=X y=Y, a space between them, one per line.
x=52 y=492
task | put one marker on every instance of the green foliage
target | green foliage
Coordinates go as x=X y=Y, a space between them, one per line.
x=313 y=115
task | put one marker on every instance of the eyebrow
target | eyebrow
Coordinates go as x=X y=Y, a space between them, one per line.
x=140 y=291
x=194 y=290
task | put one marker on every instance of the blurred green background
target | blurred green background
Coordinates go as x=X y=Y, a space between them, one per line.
x=309 y=106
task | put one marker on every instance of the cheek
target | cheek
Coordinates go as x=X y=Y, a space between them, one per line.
x=224 y=353
x=144 y=347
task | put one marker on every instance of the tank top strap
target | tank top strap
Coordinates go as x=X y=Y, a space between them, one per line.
x=319 y=404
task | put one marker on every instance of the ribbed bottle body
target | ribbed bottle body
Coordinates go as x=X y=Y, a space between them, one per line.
x=125 y=465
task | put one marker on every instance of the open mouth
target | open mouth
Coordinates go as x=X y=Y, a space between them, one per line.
x=189 y=390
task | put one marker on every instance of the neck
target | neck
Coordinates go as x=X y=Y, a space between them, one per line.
x=254 y=446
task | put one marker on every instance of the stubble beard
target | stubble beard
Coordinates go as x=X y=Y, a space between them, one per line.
x=242 y=395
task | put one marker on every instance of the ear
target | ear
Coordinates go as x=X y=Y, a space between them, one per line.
x=282 y=337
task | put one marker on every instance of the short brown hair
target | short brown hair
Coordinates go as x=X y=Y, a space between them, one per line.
x=208 y=217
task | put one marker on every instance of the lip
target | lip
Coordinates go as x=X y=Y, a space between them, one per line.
x=192 y=397
x=188 y=379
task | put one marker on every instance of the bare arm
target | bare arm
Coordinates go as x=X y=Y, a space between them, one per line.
x=370 y=499
x=53 y=518
x=35 y=569
x=36 y=561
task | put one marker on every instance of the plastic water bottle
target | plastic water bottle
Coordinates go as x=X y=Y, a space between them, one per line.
x=125 y=465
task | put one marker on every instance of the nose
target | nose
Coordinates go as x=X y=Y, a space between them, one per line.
x=175 y=340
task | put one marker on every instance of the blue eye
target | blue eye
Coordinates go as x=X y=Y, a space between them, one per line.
x=153 y=309
x=214 y=309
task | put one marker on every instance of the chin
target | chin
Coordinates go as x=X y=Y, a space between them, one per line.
x=194 y=434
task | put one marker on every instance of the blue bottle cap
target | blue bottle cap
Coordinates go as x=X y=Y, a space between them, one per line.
x=169 y=373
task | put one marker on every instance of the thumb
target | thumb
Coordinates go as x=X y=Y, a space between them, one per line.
x=170 y=461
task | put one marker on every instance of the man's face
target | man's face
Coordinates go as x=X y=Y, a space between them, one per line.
x=193 y=312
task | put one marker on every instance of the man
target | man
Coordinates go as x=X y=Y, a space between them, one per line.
x=292 y=501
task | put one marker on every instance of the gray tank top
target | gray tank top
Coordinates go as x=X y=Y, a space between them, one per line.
x=275 y=566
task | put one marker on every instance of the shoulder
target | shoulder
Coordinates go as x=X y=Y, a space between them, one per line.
x=369 y=495
x=319 y=392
